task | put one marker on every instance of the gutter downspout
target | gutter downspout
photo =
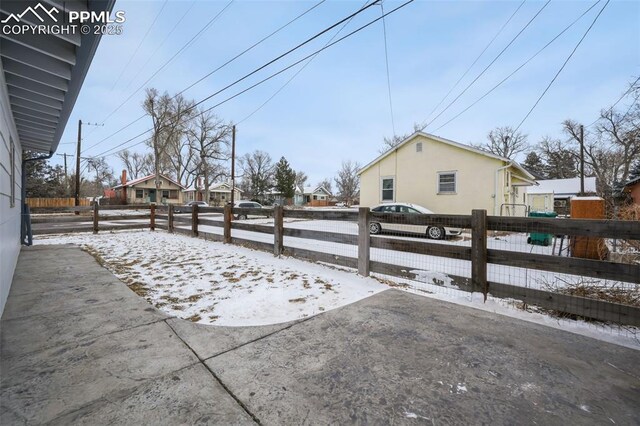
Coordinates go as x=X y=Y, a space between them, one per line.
x=26 y=237
x=495 y=194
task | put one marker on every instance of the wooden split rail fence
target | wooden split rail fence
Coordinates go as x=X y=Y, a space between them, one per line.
x=478 y=254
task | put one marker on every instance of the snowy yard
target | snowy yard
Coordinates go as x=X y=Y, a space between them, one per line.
x=213 y=283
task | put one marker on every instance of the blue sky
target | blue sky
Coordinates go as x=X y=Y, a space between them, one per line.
x=337 y=108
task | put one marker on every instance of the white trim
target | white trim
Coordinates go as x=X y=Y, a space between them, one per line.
x=447 y=142
x=455 y=182
x=393 y=199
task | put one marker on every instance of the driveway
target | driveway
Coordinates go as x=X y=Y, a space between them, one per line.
x=77 y=346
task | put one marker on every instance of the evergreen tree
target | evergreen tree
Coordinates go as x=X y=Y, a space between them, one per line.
x=285 y=178
x=534 y=164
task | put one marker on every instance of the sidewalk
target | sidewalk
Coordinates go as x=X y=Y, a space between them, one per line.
x=77 y=346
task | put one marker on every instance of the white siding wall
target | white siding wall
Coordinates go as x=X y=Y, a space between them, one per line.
x=9 y=216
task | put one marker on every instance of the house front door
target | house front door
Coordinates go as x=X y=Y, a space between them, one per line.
x=152 y=195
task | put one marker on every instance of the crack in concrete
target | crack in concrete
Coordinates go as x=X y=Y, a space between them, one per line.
x=224 y=386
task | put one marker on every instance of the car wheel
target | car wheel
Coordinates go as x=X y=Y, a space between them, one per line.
x=375 y=228
x=435 y=232
x=242 y=217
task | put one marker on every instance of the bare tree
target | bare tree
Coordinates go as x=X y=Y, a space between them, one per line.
x=170 y=118
x=505 y=142
x=388 y=143
x=301 y=179
x=134 y=163
x=326 y=184
x=104 y=173
x=560 y=161
x=209 y=138
x=348 y=181
x=257 y=173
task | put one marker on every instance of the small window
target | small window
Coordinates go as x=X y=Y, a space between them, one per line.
x=419 y=147
x=173 y=194
x=446 y=183
x=165 y=194
x=139 y=193
x=387 y=189
x=12 y=162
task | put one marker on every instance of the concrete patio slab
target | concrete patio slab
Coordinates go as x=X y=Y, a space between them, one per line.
x=207 y=341
x=65 y=378
x=184 y=397
x=108 y=357
x=397 y=357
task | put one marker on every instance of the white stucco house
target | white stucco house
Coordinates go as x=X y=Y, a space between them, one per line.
x=446 y=177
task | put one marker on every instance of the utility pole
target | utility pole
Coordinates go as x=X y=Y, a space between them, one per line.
x=581 y=159
x=66 y=176
x=77 y=194
x=233 y=164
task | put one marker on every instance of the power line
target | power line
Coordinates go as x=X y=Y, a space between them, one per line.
x=216 y=69
x=386 y=59
x=139 y=45
x=488 y=66
x=153 y=54
x=563 y=65
x=272 y=75
x=521 y=66
x=624 y=95
x=163 y=66
x=251 y=47
x=297 y=72
x=476 y=60
x=257 y=69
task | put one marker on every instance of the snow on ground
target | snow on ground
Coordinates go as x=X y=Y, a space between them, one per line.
x=213 y=283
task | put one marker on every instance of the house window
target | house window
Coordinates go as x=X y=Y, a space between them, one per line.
x=173 y=194
x=315 y=197
x=165 y=193
x=419 y=147
x=12 y=162
x=139 y=193
x=388 y=189
x=446 y=182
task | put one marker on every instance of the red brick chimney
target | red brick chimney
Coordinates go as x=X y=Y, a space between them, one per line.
x=124 y=188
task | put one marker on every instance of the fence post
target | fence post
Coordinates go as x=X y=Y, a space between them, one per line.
x=170 y=219
x=95 y=217
x=278 y=230
x=363 y=241
x=227 y=223
x=479 y=251
x=194 y=220
x=152 y=222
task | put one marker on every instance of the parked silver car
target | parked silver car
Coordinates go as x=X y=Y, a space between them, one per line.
x=433 y=232
x=250 y=205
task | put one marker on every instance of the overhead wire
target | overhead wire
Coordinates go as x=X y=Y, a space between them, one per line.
x=272 y=75
x=487 y=93
x=386 y=59
x=163 y=66
x=497 y=34
x=135 y=52
x=215 y=70
x=286 y=83
x=563 y=65
x=490 y=64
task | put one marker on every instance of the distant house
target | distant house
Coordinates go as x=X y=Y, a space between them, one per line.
x=219 y=194
x=556 y=194
x=312 y=196
x=632 y=188
x=446 y=177
x=143 y=190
